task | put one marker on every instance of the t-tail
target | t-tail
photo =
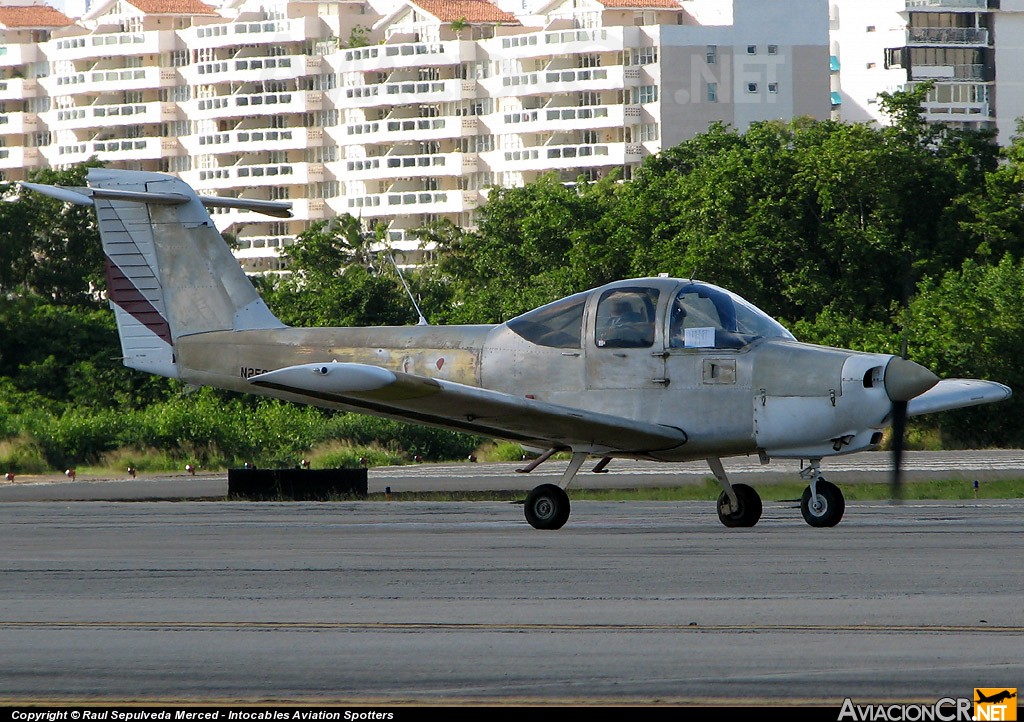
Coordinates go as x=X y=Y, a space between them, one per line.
x=169 y=271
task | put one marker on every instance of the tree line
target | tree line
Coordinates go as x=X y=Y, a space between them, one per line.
x=855 y=235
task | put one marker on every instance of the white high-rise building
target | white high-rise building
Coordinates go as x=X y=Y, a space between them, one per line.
x=399 y=111
x=970 y=49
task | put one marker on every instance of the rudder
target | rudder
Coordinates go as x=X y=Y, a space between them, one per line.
x=169 y=272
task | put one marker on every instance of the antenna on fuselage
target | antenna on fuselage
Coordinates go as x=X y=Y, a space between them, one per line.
x=423 y=320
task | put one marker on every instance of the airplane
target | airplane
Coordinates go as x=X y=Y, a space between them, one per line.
x=661 y=369
x=995 y=698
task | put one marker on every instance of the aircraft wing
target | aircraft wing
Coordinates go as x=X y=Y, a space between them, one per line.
x=467 y=408
x=955 y=394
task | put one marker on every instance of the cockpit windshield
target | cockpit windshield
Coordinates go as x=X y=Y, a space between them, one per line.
x=706 y=316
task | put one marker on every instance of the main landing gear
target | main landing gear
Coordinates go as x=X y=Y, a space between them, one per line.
x=822 y=504
x=547 y=506
x=739 y=505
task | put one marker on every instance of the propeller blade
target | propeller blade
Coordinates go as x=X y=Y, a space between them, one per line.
x=899 y=427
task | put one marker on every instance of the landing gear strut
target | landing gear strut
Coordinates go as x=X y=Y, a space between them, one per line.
x=822 y=504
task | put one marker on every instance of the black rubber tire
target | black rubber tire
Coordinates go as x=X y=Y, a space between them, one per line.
x=833 y=505
x=749 y=511
x=547 y=507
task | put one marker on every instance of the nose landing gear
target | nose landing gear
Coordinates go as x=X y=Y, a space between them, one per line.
x=822 y=503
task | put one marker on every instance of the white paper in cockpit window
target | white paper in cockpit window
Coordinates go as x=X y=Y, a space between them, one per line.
x=702 y=337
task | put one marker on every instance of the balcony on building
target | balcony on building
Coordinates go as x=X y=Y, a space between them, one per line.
x=107 y=45
x=125 y=149
x=248 y=104
x=957 y=102
x=388 y=204
x=403 y=93
x=18 y=88
x=115 y=150
x=565 y=42
x=971 y=71
x=244 y=176
x=110 y=80
x=568 y=118
x=14 y=54
x=252 y=69
x=406 y=166
x=403 y=130
x=107 y=115
x=252 y=140
x=947 y=36
x=264 y=32
x=549 y=82
x=19 y=157
x=949 y=4
x=383 y=58
x=18 y=123
x=560 y=157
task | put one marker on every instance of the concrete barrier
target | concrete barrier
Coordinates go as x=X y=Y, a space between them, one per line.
x=297 y=484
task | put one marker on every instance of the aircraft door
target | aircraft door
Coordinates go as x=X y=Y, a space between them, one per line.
x=625 y=345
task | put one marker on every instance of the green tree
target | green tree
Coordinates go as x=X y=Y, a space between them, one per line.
x=48 y=247
x=339 y=275
x=968 y=323
x=533 y=244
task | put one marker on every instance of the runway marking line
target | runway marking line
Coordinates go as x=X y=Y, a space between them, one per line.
x=488 y=627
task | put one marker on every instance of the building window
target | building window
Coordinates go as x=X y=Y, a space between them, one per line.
x=712 y=54
x=871 y=66
x=773 y=87
x=648 y=132
x=647 y=94
x=751 y=50
x=712 y=92
x=751 y=87
x=871 y=28
x=646 y=56
x=773 y=49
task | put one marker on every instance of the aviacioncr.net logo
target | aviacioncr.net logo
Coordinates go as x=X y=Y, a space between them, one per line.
x=947 y=709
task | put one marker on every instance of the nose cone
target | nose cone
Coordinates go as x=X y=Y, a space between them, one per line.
x=905 y=379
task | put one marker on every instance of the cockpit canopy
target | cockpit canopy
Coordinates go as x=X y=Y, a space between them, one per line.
x=690 y=314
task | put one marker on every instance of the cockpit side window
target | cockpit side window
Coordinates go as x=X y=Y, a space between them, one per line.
x=703 y=316
x=558 y=324
x=626 y=317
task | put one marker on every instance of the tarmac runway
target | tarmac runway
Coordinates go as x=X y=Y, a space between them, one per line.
x=463 y=603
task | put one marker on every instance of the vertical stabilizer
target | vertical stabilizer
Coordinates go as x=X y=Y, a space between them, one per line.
x=169 y=272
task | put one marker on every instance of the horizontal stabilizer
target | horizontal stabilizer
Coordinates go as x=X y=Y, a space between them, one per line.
x=951 y=394
x=468 y=408
x=85 y=196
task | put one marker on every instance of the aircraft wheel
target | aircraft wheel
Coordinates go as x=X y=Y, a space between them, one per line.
x=547 y=507
x=749 y=510
x=827 y=509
